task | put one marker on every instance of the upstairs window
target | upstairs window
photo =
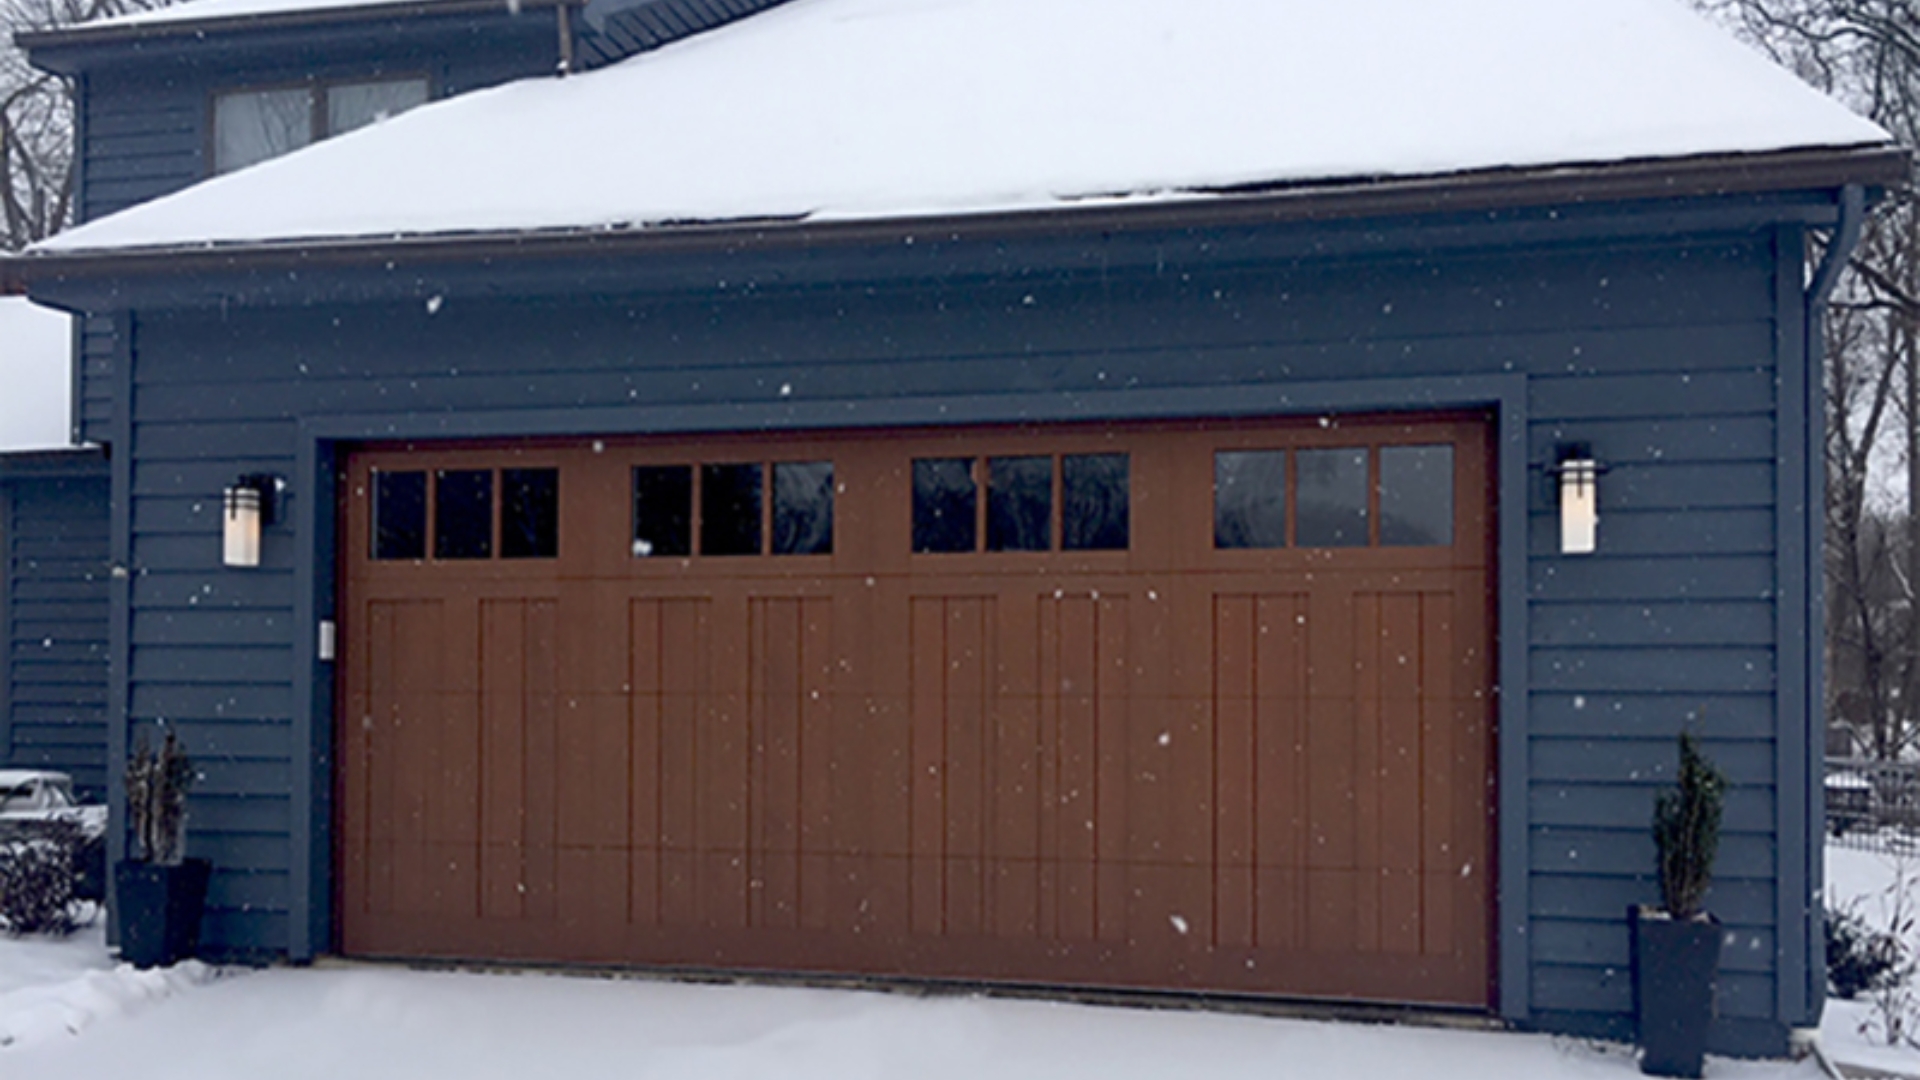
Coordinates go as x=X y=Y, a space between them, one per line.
x=251 y=126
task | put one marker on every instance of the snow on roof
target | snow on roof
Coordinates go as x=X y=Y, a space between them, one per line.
x=193 y=11
x=36 y=344
x=860 y=109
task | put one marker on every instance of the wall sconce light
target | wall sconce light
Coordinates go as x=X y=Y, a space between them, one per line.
x=1579 y=477
x=249 y=506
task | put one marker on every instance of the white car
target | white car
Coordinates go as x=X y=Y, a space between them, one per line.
x=31 y=796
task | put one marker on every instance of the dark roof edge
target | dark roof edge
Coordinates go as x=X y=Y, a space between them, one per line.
x=1873 y=166
x=83 y=35
x=64 y=461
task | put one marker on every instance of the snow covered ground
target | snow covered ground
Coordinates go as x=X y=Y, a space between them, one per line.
x=372 y=1024
x=34 y=378
x=1881 y=888
x=65 y=1012
x=65 y=1009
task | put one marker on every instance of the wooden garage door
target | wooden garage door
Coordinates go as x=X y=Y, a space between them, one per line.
x=1201 y=707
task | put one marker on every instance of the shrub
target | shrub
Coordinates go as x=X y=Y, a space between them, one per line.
x=1686 y=831
x=37 y=879
x=1860 y=958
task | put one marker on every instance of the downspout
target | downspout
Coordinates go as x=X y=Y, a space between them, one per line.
x=563 y=20
x=1845 y=237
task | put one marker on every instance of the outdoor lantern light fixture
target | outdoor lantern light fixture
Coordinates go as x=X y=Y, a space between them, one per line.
x=1579 y=499
x=249 y=506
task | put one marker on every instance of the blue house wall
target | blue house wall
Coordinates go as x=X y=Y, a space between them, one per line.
x=53 y=615
x=1668 y=336
x=146 y=103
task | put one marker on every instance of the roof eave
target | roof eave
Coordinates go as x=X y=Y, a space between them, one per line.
x=1877 y=167
x=43 y=41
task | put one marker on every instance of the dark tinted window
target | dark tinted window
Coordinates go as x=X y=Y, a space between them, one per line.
x=1250 y=499
x=253 y=125
x=803 y=508
x=399 y=515
x=730 y=509
x=463 y=514
x=1416 y=496
x=662 y=511
x=944 y=504
x=1020 y=504
x=530 y=513
x=1332 y=497
x=1094 y=489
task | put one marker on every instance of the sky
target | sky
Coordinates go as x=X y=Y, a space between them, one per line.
x=34 y=382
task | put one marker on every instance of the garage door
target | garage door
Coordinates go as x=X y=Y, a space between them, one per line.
x=1201 y=707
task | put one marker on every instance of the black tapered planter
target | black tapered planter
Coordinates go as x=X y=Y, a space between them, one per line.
x=1675 y=964
x=159 y=909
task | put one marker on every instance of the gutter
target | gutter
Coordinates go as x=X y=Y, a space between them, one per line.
x=1708 y=176
x=117 y=33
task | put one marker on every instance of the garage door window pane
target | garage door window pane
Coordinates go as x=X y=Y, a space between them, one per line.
x=399 y=515
x=530 y=518
x=1020 y=504
x=252 y=126
x=1250 y=499
x=1094 y=488
x=463 y=514
x=1332 y=501
x=803 y=508
x=1416 y=496
x=944 y=504
x=730 y=510
x=663 y=511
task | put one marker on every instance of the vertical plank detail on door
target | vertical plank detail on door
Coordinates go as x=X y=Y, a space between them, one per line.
x=1169 y=765
x=1282 y=838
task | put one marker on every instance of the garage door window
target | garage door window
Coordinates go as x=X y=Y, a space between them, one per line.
x=530 y=518
x=803 y=508
x=1416 y=496
x=1020 y=504
x=461 y=522
x=1325 y=494
x=730 y=509
x=399 y=515
x=736 y=506
x=1250 y=499
x=1022 y=492
x=1332 y=498
x=1097 y=512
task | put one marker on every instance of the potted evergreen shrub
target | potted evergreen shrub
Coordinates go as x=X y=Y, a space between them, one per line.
x=159 y=893
x=1676 y=947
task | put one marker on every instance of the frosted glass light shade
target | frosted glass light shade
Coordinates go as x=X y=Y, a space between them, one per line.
x=1579 y=506
x=242 y=527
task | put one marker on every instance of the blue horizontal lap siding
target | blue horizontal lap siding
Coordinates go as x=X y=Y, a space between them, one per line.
x=1660 y=355
x=146 y=133
x=53 y=532
x=93 y=397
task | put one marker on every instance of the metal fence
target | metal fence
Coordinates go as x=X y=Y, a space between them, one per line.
x=1873 y=805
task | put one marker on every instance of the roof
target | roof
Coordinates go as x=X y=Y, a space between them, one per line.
x=35 y=348
x=863 y=110
x=203 y=16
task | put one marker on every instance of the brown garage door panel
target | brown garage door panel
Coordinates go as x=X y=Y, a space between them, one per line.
x=1173 y=765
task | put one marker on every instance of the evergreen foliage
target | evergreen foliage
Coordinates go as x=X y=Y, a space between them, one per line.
x=37 y=879
x=1686 y=830
x=157 y=786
